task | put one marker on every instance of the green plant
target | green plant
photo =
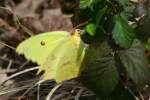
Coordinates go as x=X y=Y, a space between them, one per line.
x=116 y=56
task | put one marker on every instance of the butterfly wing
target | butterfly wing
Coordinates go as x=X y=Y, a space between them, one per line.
x=61 y=64
x=64 y=63
x=58 y=53
x=37 y=48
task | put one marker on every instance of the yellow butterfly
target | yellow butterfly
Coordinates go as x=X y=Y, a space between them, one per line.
x=58 y=53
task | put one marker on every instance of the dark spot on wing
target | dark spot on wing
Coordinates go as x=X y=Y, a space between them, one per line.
x=42 y=43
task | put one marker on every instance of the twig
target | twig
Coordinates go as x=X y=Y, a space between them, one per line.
x=79 y=94
x=13 y=90
x=49 y=96
x=6 y=59
x=11 y=47
x=19 y=73
x=24 y=64
x=9 y=66
x=39 y=82
x=17 y=20
x=82 y=24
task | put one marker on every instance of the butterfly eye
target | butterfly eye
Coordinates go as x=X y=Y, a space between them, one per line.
x=42 y=43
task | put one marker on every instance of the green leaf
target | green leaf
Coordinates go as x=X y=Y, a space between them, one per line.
x=122 y=32
x=100 y=14
x=86 y=3
x=148 y=44
x=135 y=62
x=91 y=29
x=123 y=2
x=98 y=71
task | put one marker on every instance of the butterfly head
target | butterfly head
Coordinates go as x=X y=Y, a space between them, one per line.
x=76 y=36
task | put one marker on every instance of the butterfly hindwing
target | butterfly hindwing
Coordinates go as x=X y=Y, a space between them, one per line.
x=61 y=64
